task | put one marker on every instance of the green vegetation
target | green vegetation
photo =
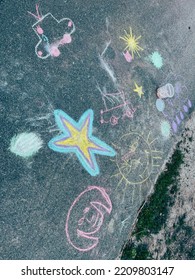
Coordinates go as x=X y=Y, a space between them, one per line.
x=155 y=212
x=180 y=241
x=133 y=252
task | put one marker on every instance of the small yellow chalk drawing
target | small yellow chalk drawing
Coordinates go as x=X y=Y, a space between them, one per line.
x=138 y=90
x=136 y=158
x=131 y=43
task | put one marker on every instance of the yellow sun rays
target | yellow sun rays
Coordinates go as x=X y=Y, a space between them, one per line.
x=135 y=164
x=131 y=42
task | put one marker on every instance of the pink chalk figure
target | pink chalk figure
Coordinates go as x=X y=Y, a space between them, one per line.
x=117 y=107
x=178 y=106
x=85 y=218
x=48 y=45
x=128 y=56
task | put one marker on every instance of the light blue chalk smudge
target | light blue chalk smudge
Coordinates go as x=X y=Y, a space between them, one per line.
x=160 y=105
x=25 y=144
x=156 y=59
x=165 y=129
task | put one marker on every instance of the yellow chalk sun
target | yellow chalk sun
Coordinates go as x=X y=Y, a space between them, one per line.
x=131 y=43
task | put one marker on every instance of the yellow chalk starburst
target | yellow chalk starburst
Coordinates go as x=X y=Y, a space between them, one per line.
x=131 y=43
x=138 y=90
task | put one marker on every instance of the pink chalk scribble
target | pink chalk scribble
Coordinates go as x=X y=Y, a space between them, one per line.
x=37 y=16
x=66 y=39
x=115 y=107
x=48 y=45
x=85 y=218
x=70 y=23
x=128 y=56
x=54 y=48
x=54 y=51
x=39 y=30
x=40 y=53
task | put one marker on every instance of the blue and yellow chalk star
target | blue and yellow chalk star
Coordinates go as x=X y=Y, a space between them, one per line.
x=138 y=90
x=77 y=138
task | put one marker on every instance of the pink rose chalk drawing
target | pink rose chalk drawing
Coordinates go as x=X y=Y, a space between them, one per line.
x=85 y=218
x=52 y=34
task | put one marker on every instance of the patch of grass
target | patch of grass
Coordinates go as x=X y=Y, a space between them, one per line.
x=155 y=211
x=133 y=252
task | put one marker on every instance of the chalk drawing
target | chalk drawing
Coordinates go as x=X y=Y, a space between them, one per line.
x=86 y=217
x=52 y=34
x=174 y=108
x=165 y=129
x=131 y=43
x=104 y=64
x=138 y=90
x=25 y=144
x=77 y=138
x=166 y=91
x=160 y=105
x=44 y=119
x=127 y=56
x=136 y=158
x=156 y=59
x=116 y=107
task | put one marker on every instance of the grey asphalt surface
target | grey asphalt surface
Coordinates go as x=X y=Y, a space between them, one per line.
x=37 y=193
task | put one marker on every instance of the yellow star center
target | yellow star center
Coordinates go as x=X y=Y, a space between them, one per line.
x=79 y=138
x=131 y=43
